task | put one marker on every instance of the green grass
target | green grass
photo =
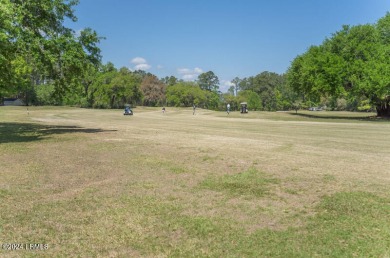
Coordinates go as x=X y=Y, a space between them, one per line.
x=248 y=183
x=355 y=222
x=93 y=183
x=347 y=224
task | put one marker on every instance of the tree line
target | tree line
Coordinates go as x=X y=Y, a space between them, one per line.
x=45 y=63
x=109 y=87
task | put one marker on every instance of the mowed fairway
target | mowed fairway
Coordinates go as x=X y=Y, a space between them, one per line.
x=95 y=183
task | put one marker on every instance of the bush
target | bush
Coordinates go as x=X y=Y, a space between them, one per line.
x=44 y=95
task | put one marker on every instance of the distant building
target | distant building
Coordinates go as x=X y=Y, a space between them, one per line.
x=315 y=109
x=12 y=102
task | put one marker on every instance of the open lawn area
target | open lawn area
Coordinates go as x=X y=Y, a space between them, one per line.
x=94 y=183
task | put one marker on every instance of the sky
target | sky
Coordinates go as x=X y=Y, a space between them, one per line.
x=232 y=38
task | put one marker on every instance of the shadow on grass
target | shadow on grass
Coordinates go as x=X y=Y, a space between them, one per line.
x=341 y=117
x=28 y=132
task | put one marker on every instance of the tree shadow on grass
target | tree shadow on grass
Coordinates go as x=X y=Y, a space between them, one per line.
x=338 y=117
x=29 y=132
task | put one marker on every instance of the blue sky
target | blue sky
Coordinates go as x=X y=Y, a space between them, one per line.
x=229 y=37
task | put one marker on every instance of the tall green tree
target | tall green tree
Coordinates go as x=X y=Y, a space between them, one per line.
x=170 y=80
x=269 y=87
x=186 y=94
x=114 y=88
x=124 y=88
x=252 y=98
x=236 y=85
x=354 y=62
x=231 y=91
x=266 y=85
x=39 y=48
x=208 y=81
x=100 y=89
x=7 y=46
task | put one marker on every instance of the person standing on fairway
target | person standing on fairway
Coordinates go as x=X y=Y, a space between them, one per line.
x=193 y=109
x=228 y=108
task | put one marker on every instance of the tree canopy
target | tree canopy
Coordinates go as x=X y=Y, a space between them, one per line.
x=153 y=91
x=208 y=81
x=36 y=47
x=354 y=63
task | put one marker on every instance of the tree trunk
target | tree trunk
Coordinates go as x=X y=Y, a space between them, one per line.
x=383 y=110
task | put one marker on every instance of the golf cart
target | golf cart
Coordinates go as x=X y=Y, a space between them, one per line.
x=128 y=111
x=244 y=107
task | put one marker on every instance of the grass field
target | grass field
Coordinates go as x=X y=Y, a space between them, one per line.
x=94 y=183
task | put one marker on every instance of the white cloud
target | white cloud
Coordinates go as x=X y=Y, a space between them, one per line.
x=227 y=83
x=198 y=70
x=140 y=63
x=189 y=74
x=138 y=60
x=160 y=67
